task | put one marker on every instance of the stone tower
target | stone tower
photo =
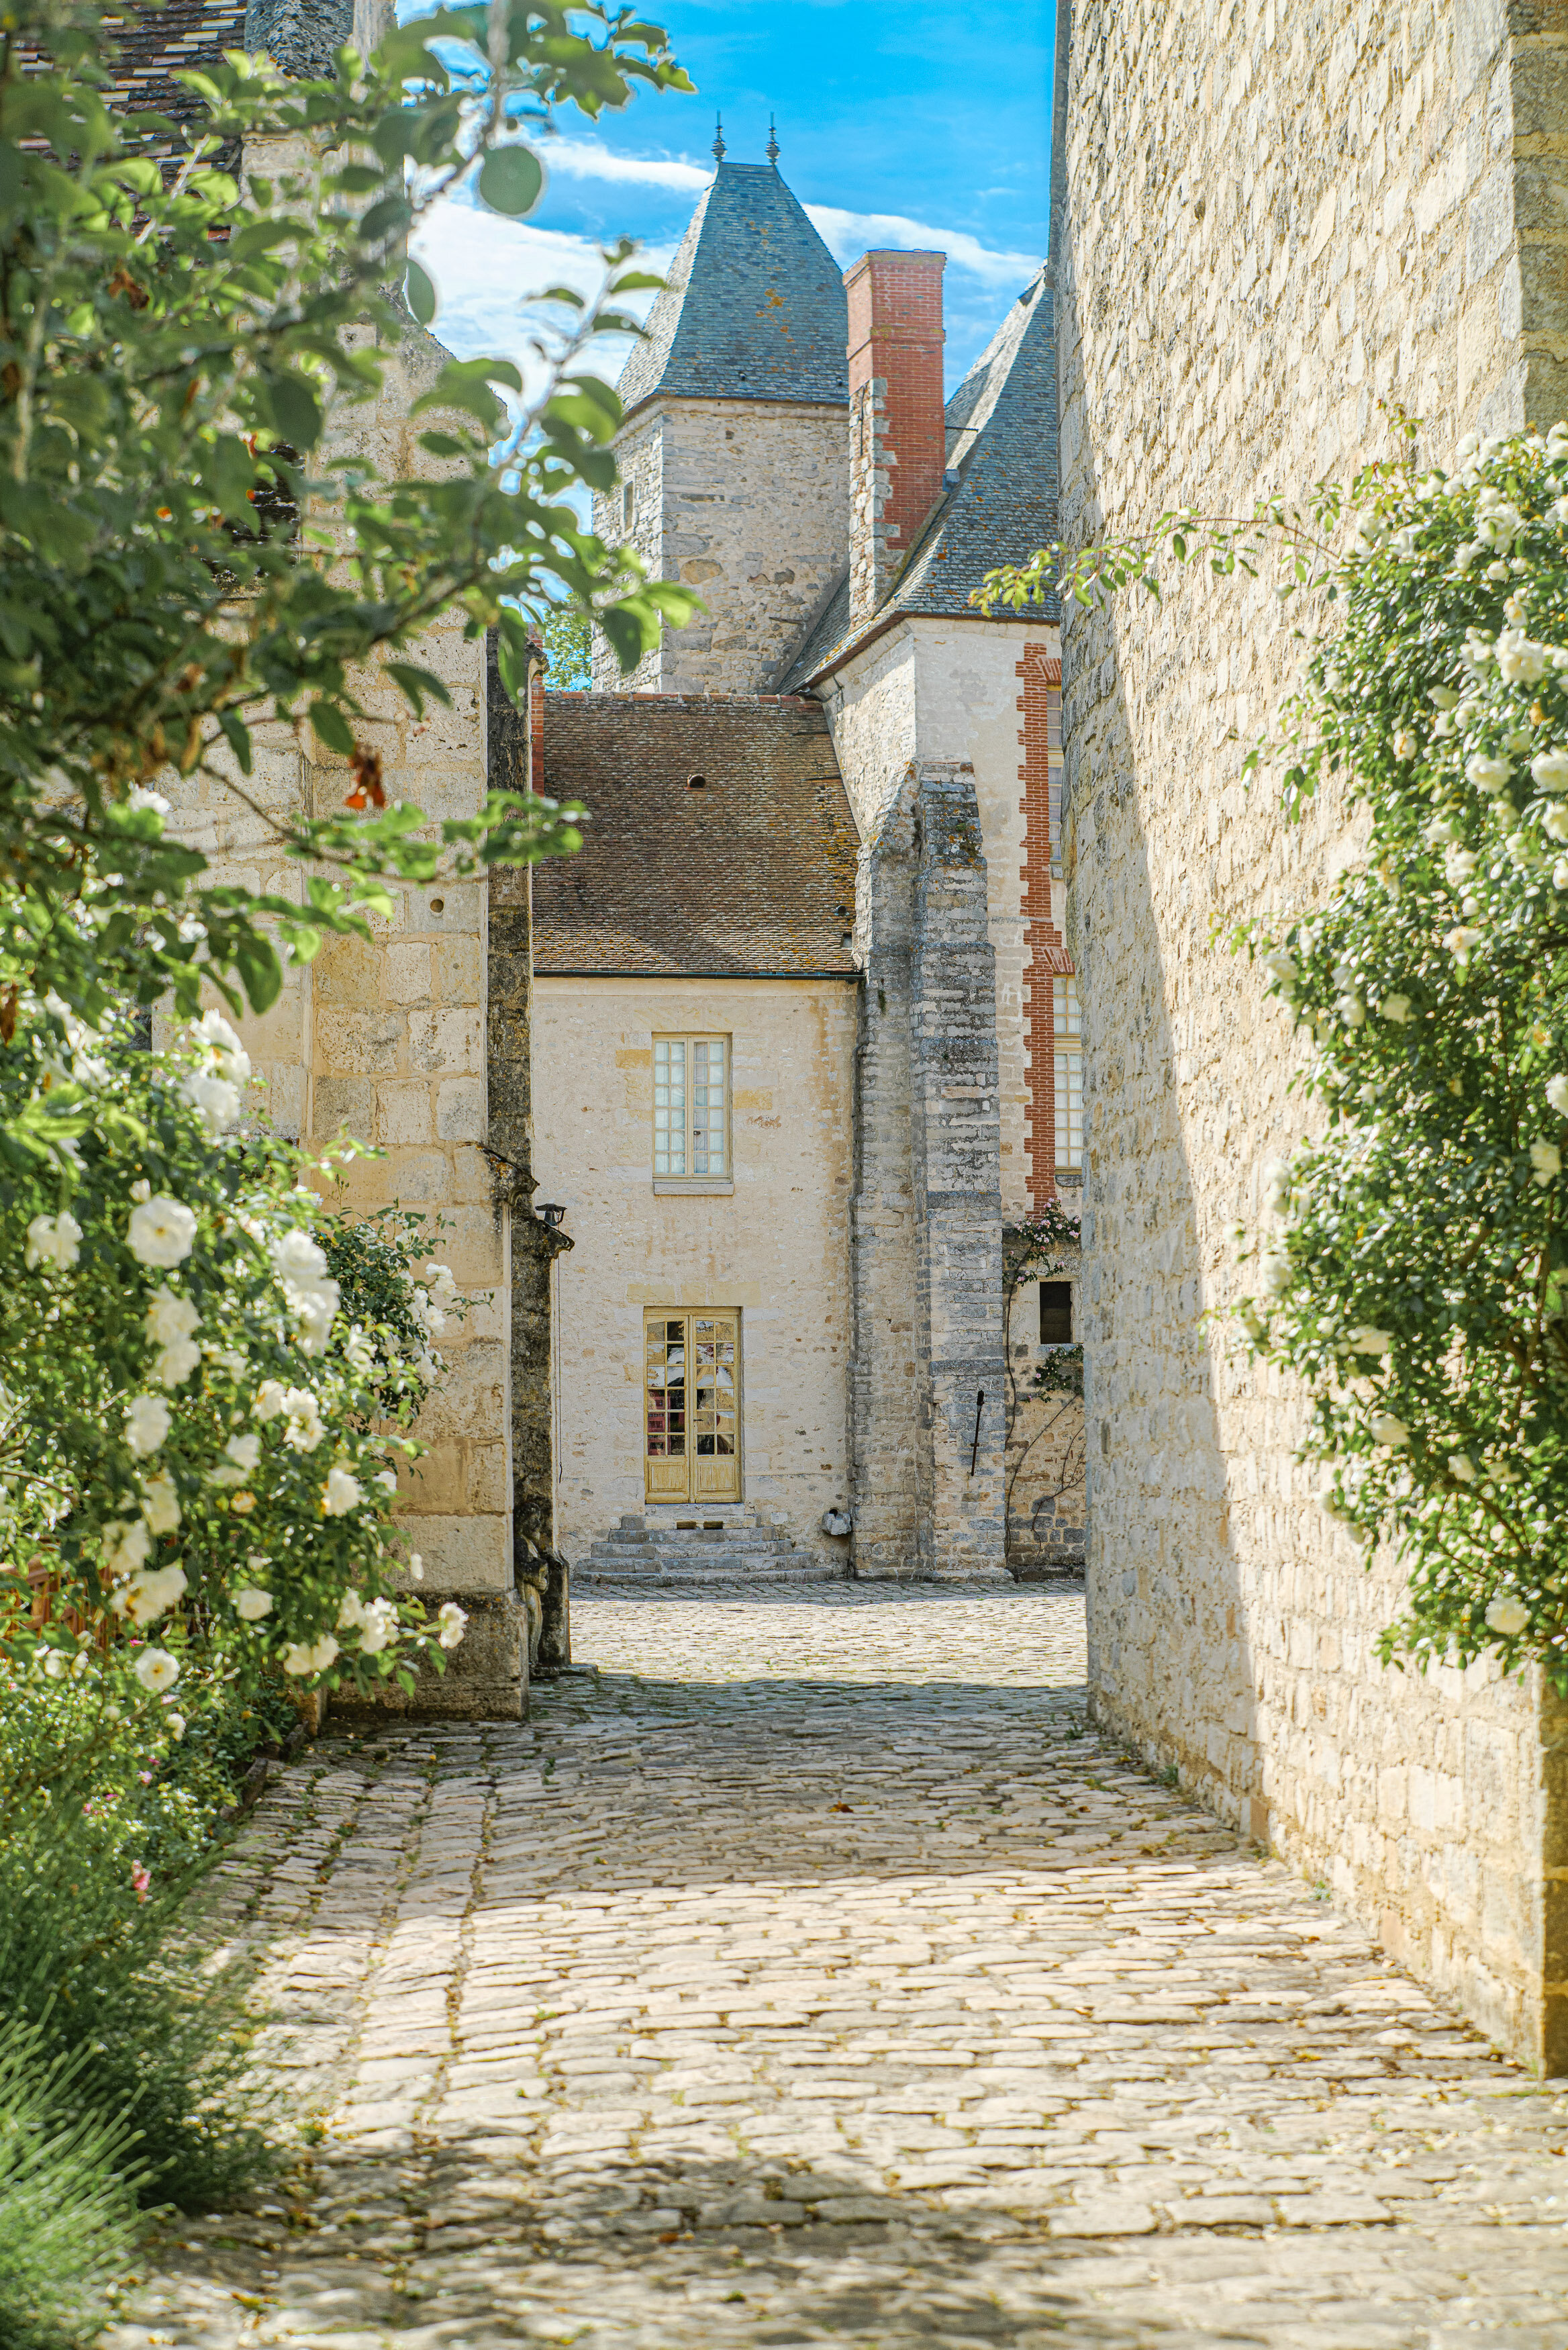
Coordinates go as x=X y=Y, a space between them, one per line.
x=734 y=454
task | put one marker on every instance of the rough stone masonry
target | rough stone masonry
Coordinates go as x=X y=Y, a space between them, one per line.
x=1275 y=221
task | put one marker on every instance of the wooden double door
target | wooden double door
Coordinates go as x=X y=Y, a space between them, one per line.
x=691 y=1406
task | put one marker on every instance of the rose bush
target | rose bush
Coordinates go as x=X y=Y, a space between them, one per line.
x=198 y=1432
x=1414 y=1270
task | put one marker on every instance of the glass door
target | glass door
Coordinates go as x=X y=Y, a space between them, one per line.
x=691 y=1406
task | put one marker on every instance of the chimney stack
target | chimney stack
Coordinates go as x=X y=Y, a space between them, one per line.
x=897 y=441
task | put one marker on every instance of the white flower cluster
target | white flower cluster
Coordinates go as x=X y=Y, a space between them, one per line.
x=214 y=1088
x=312 y=1294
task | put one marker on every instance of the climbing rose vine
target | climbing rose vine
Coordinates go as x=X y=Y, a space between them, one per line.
x=1414 y=1267
x=199 y=1438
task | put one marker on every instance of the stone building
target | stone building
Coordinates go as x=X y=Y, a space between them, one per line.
x=787 y=451
x=1268 y=219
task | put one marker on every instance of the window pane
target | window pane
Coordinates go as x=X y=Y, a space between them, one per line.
x=664 y=1390
x=708 y=1106
x=1055 y=1314
x=669 y=1105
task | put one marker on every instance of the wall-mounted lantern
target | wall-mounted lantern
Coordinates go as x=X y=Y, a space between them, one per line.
x=551 y=1212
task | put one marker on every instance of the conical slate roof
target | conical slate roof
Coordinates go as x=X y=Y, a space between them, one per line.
x=753 y=307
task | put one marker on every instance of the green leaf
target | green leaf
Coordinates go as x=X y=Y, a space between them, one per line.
x=332 y=727
x=511 y=178
x=292 y=407
x=422 y=293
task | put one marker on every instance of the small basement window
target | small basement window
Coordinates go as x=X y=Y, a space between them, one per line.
x=696 y=783
x=1055 y=1314
x=627 y=507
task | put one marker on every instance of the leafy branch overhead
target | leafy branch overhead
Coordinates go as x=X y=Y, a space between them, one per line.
x=189 y=357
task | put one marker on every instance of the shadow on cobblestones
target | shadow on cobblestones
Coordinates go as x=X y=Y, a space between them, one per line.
x=808 y=1974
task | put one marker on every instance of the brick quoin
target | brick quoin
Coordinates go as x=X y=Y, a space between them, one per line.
x=898 y=434
x=1045 y=950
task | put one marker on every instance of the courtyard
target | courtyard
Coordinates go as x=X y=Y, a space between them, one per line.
x=806 y=1970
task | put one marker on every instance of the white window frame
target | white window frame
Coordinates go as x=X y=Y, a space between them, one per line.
x=694 y=1126
x=1067 y=1069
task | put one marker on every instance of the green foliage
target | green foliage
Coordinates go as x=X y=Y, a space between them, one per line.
x=193 y=1433
x=566 y=634
x=184 y=358
x=1414 y=1271
x=68 y=2210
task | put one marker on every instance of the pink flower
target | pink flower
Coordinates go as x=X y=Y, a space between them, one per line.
x=140 y=1879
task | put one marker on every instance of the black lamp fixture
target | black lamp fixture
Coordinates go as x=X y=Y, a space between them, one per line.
x=551 y=1212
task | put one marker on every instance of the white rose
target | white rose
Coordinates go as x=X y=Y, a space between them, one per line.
x=351 y=1612
x=147 y=1423
x=175 y=1364
x=304 y=1430
x=156 y=1669
x=1461 y=939
x=386 y=1479
x=126 y=1547
x=1521 y=662
x=1388 y=1428
x=302 y=1657
x=451 y=1621
x=1551 y=771
x=379 y=1628
x=1281 y=967
x=233 y=1061
x=343 y=1493
x=162 y=1232
x=1509 y=1617
x=1557 y=1094
x=1487 y=774
x=442 y=1282
x=1395 y=1008
x=170 y=1317
x=1555 y=823
x=241 y=1454
x=272 y=1397
x=151 y=1593
x=1367 y=1341
x=1545 y=1162
x=1274 y=1272
x=252 y=1603
x=53 y=1240
x=216 y=1101
x=160 y=1503
x=1461 y=1468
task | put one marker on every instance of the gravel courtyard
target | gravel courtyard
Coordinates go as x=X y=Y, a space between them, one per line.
x=807 y=1973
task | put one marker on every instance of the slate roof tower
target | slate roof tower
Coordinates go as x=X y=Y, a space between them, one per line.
x=734 y=452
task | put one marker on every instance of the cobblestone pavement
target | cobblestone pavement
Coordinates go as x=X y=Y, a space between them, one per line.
x=808 y=1974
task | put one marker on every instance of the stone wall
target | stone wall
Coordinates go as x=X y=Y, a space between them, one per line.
x=775 y=1245
x=929 y=1411
x=746 y=501
x=1272 y=216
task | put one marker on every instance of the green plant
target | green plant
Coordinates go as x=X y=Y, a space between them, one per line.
x=193 y=1433
x=67 y=2206
x=1043 y=1245
x=1413 y=1267
x=567 y=635
x=186 y=357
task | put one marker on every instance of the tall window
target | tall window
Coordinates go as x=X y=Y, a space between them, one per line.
x=691 y=1109
x=1069 y=1072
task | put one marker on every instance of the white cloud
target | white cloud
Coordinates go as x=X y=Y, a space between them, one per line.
x=849 y=234
x=577 y=159
x=489 y=271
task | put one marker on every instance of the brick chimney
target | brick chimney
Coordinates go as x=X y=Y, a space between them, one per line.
x=896 y=441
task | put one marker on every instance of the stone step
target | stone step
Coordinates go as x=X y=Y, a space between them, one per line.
x=794 y=1566
x=611 y=1559
x=695 y=1546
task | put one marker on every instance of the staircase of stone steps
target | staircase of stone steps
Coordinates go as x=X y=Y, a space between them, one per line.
x=733 y=1548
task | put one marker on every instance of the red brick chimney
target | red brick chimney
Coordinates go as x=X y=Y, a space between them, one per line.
x=898 y=445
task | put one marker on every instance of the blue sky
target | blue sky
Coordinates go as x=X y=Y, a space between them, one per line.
x=924 y=127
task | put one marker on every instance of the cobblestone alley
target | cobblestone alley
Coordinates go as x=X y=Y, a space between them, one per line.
x=807 y=1974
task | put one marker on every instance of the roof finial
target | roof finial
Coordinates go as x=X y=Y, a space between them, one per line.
x=772 y=145
x=719 y=137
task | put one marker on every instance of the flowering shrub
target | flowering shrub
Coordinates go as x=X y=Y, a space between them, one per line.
x=194 y=1438
x=1415 y=1270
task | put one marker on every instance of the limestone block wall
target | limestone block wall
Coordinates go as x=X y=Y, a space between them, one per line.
x=928 y=1387
x=385 y=1038
x=1270 y=217
x=747 y=502
x=944 y=690
x=776 y=1246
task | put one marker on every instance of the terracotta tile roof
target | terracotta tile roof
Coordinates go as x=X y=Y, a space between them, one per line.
x=752 y=874
x=753 y=307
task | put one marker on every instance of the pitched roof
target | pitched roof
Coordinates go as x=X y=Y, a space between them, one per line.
x=1001 y=442
x=752 y=875
x=152 y=45
x=753 y=307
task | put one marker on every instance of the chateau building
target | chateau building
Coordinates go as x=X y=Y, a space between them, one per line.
x=787 y=451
